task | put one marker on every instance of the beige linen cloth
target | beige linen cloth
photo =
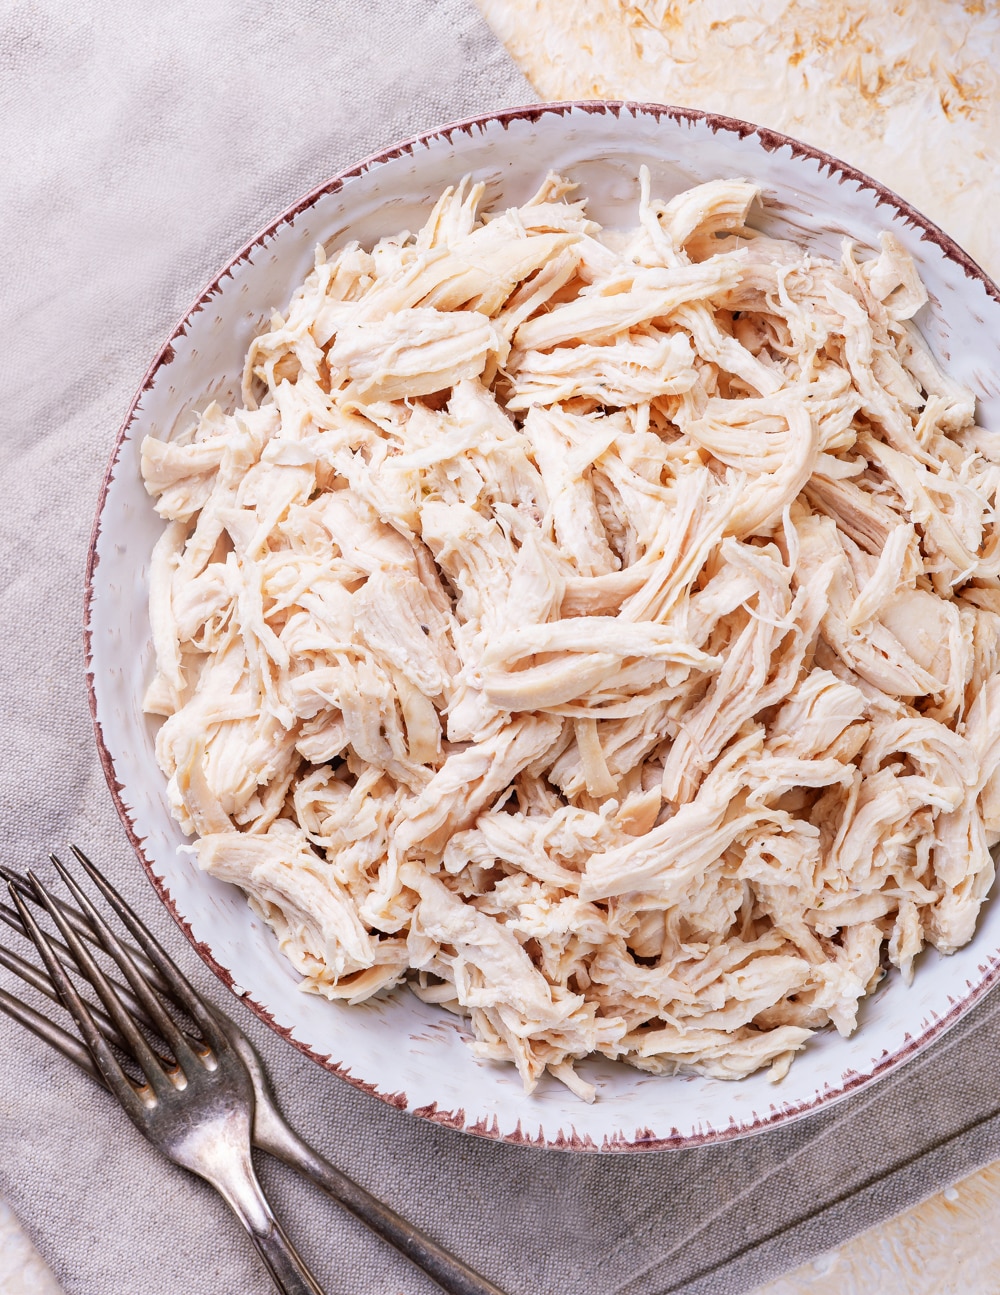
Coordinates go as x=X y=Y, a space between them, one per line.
x=140 y=146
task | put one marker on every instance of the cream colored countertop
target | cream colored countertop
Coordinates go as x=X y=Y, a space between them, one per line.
x=22 y=1270
x=910 y=93
x=949 y=1245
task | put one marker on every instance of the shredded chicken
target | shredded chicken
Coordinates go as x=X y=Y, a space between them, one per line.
x=596 y=631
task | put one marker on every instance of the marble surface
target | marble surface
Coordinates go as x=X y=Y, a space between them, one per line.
x=22 y=1269
x=949 y=1245
x=907 y=92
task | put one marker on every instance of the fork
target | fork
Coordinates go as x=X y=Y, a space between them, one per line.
x=270 y=1131
x=198 y=1110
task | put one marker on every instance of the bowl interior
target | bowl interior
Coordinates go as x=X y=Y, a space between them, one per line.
x=398 y=1048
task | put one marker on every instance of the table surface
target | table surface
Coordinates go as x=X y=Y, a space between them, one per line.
x=22 y=1270
x=853 y=81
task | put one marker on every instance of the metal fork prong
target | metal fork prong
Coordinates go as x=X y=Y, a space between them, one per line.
x=79 y=925
x=177 y=986
x=28 y=972
x=50 y=1033
x=22 y=883
x=9 y=916
x=99 y=1048
x=159 y=1017
x=148 y=1061
x=37 y=979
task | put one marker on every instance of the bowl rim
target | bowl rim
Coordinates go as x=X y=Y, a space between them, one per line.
x=645 y=1140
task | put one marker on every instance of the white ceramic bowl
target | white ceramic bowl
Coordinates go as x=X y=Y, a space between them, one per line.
x=397 y=1048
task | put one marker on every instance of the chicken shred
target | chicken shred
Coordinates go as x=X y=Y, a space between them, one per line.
x=596 y=631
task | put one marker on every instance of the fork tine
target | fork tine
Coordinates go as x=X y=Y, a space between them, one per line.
x=126 y=1026
x=42 y=1028
x=9 y=916
x=79 y=925
x=37 y=979
x=158 y=1015
x=28 y=972
x=105 y=1060
x=22 y=883
x=178 y=987
x=77 y=922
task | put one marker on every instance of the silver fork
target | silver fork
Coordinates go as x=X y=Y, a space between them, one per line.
x=270 y=1130
x=198 y=1110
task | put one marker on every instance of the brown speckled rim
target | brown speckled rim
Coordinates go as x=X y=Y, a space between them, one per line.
x=643 y=1139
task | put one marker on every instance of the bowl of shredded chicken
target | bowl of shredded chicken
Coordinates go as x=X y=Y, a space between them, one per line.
x=582 y=629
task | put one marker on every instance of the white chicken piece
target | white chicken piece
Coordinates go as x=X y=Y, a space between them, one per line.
x=606 y=309
x=295 y=890
x=410 y=353
x=633 y=370
x=720 y=206
x=597 y=631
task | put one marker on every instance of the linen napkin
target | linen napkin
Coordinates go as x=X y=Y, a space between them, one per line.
x=141 y=146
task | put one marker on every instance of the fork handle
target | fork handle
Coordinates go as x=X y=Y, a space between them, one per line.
x=243 y=1193
x=281 y=1141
